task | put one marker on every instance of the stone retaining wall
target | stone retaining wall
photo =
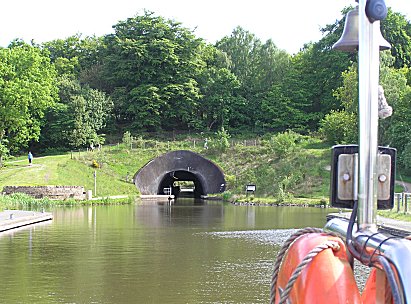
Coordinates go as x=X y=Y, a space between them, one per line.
x=52 y=192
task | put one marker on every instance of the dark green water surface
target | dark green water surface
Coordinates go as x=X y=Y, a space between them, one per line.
x=203 y=252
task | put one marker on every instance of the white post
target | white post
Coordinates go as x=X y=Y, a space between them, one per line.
x=95 y=183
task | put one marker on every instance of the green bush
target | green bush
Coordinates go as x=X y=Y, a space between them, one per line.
x=139 y=142
x=221 y=142
x=339 y=127
x=285 y=143
x=227 y=195
x=127 y=138
x=230 y=181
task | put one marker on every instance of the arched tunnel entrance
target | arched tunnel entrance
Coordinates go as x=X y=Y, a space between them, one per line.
x=181 y=173
x=181 y=183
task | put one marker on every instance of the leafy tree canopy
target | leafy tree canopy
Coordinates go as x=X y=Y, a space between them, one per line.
x=154 y=63
x=27 y=89
x=76 y=120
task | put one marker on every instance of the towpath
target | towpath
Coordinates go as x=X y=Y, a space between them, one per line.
x=11 y=219
x=392 y=226
x=405 y=185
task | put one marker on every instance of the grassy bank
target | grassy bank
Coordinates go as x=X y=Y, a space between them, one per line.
x=300 y=172
x=290 y=170
x=65 y=170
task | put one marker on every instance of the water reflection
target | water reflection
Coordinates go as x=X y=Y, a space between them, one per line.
x=198 y=252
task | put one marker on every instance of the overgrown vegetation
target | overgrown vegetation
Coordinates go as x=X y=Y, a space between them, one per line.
x=21 y=201
x=283 y=166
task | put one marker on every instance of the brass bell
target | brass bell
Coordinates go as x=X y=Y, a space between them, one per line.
x=349 y=39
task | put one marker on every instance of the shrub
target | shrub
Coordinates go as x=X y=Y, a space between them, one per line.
x=230 y=181
x=127 y=138
x=227 y=195
x=139 y=142
x=221 y=143
x=23 y=201
x=285 y=143
x=339 y=127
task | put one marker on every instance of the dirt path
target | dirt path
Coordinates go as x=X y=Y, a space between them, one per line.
x=405 y=185
x=37 y=157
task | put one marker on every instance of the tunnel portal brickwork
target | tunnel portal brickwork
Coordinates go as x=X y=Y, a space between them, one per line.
x=180 y=165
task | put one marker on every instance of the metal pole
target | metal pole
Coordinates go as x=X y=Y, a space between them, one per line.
x=368 y=119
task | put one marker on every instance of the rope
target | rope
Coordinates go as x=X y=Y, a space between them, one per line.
x=283 y=251
x=281 y=255
x=384 y=110
x=308 y=258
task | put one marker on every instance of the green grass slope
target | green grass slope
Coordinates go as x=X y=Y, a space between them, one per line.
x=63 y=170
x=300 y=172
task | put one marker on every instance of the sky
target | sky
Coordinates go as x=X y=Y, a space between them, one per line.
x=290 y=24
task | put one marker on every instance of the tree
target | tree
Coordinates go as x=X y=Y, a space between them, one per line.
x=154 y=63
x=27 y=89
x=258 y=66
x=81 y=58
x=75 y=121
x=219 y=90
x=282 y=112
x=397 y=30
x=318 y=71
x=395 y=86
x=82 y=53
x=398 y=134
x=220 y=103
x=394 y=82
x=240 y=48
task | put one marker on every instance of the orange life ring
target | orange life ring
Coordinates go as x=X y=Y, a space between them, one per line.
x=372 y=294
x=328 y=278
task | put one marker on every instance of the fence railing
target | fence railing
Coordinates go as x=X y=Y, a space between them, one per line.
x=185 y=144
x=156 y=145
x=402 y=201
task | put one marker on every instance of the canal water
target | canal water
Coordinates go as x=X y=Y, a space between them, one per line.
x=190 y=252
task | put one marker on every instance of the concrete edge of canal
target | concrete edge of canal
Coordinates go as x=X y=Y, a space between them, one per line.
x=11 y=219
x=391 y=226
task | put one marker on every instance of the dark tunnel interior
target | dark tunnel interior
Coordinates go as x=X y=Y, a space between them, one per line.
x=169 y=180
